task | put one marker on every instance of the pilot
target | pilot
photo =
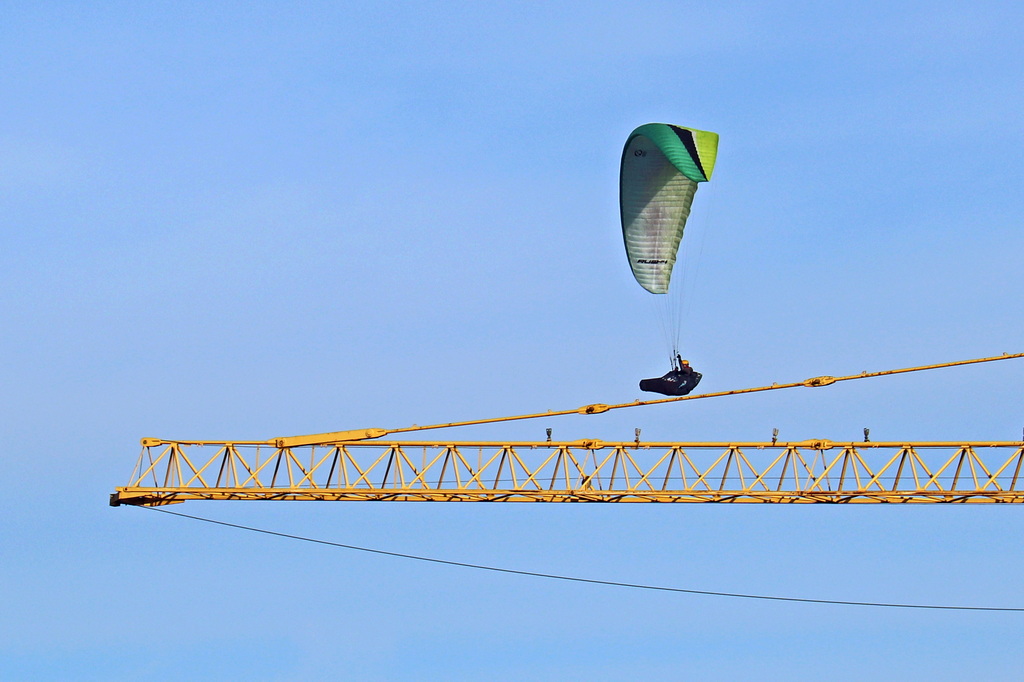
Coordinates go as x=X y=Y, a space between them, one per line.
x=680 y=380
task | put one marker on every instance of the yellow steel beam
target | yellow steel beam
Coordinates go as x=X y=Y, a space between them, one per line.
x=169 y=472
x=599 y=408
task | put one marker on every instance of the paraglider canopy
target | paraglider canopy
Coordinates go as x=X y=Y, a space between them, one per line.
x=661 y=166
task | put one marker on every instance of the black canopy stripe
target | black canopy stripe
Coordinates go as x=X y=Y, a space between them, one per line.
x=686 y=137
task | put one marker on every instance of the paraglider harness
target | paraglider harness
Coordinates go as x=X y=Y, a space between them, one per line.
x=680 y=380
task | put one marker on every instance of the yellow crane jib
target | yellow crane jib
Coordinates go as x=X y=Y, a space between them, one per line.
x=586 y=470
x=330 y=466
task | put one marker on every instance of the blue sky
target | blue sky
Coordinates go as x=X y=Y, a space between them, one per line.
x=246 y=220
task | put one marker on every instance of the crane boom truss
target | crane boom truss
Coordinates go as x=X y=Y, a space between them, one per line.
x=354 y=465
x=169 y=472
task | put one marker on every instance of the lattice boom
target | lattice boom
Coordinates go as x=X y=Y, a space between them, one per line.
x=580 y=471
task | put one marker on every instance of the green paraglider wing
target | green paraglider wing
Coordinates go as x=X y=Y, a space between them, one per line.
x=661 y=166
